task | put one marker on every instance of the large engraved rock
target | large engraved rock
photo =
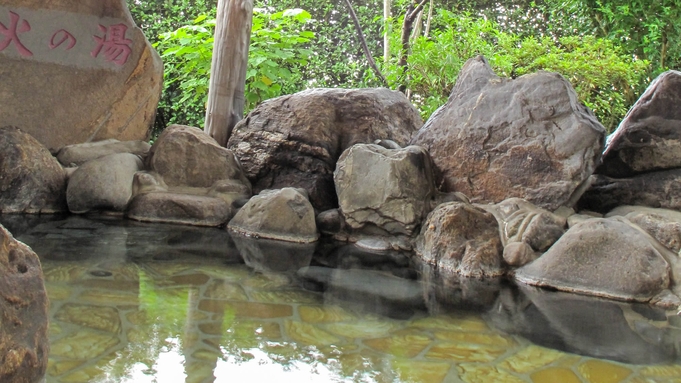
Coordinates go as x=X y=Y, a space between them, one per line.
x=186 y=156
x=462 y=239
x=649 y=137
x=31 y=180
x=603 y=257
x=497 y=138
x=23 y=313
x=78 y=71
x=296 y=140
x=388 y=188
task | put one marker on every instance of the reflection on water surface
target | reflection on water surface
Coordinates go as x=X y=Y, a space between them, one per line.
x=134 y=302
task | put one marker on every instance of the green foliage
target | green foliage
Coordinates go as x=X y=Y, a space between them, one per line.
x=337 y=59
x=276 y=55
x=603 y=75
x=601 y=46
x=155 y=17
x=650 y=29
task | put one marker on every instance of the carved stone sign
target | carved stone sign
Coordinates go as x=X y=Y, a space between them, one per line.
x=64 y=38
x=76 y=71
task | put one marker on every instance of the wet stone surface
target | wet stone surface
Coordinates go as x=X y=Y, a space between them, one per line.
x=119 y=315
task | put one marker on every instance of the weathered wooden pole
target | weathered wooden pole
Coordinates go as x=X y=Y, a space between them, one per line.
x=225 y=106
x=387 y=4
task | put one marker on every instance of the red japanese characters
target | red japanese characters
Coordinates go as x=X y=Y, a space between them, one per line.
x=110 y=44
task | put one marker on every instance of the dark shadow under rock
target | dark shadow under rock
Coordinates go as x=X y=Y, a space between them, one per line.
x=367 y=290
x=655 y=189
x=449 y=292
x=266 y=255
x=586 y=326
x=77 y=238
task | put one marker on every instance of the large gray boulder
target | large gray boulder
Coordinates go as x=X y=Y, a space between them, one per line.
x=660 y=189
x=388 y=188
x=295 y=140
x=649 y=137
x=78 y=154
x=603 y=257
x=78 y=71
x=462 y=239
x=186 y=156
x=497 y=138
x=103 y=183
x=24 y=345
x=31 y=180
x=283 y=214
x=180 y=208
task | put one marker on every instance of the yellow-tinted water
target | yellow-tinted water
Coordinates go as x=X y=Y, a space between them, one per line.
x=172 y=316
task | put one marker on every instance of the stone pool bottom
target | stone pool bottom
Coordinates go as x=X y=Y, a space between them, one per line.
x=125 y=310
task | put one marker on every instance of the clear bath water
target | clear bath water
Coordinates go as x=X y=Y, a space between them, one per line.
x=135 y=302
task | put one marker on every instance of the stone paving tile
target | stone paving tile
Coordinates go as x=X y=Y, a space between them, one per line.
x=598 y=371
x=83 y=345
x=362 y=329
x=482 y=373
x=464 y=352
x=555 y=375
x=324 y=314
x=229 y=291
x=490 y=339
x=247 y=309
x=96 y=317
x=286 y=296
x=309 y=334
x=406 y=345
x=463 y=323
x=418 y=371
x=530 y=359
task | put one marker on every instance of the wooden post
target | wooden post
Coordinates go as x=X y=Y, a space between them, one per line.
x=386 y=38
x=225 y=106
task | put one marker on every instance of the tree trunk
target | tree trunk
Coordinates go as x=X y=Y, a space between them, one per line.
x=416 y=32
x=430 y=17
x=407 y=25
x=363 y=43
x=386 y=38
x=225 y=106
